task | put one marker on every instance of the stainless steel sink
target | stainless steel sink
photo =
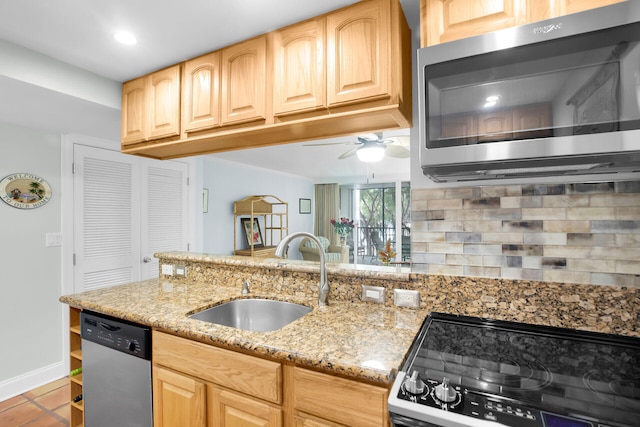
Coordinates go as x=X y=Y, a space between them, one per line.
x=259 y=315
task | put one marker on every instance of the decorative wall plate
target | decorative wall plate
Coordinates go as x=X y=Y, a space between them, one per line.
x=24 y=191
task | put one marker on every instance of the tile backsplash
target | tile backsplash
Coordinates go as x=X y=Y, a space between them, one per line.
x=569 y=233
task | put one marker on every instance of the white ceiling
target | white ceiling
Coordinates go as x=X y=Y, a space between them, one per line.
x=80 y=33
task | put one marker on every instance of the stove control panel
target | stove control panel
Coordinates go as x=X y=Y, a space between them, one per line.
x=457 y=399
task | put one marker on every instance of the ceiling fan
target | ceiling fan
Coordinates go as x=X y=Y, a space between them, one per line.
x=372 y=147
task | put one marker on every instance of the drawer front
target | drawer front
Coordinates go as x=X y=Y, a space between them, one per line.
x=247 y=374
x=337 y=399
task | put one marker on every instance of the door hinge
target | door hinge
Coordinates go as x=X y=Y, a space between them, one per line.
x=73 y=168
x=187 y=181
x=74 y=259
x=188 y=247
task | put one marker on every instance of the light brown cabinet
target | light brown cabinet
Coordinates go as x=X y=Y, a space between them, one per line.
x=338 y=400
x=196 y=384
x=342 y=73
x=244 y=82
x=201 y=93
x=231 y=409
x=447 y=20
x=151 y=107
x=299 y=83
x=358 y=54
x=178 y=400
x=497 y=125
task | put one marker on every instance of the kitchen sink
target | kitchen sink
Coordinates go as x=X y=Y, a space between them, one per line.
x=253 y=314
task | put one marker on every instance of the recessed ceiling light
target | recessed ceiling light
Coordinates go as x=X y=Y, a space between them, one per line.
x=492 y=98
x=125 y=37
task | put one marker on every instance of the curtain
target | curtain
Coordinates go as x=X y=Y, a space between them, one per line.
x=327 y=208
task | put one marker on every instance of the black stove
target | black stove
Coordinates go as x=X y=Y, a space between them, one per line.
x=467 y=371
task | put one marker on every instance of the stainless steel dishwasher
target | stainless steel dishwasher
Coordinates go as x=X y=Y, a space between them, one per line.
x=116 y=372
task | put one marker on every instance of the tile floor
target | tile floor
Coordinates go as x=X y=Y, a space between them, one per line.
x=45 y=406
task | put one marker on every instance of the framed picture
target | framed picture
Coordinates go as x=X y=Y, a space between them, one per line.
x=304 y=206
x=252 y=232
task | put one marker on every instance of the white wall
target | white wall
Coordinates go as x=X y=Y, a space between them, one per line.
x=30 y=283
x=229 y=181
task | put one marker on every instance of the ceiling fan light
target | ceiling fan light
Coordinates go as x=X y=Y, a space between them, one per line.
x=370 y=154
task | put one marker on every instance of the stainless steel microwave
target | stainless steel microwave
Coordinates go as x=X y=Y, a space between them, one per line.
x=552 y=98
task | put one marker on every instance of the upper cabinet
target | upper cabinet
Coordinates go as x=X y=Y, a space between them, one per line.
x=447 y=20
x=342 y=73
x=201 y=93
x=358 y=55
x=244 y=82
x=151 y=106
x=299 y=68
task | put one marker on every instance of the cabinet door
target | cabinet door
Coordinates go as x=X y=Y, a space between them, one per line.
x=178 y=400
x=164 y=103
x=201 y=93
x=358 y=56
x=244 y=81
x=303 y=420
x=495 y=126
x=230 y=409
x=134 y=104
x=299 y=68
x=446 y=20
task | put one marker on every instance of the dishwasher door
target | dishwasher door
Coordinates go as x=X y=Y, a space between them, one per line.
x=116 y=384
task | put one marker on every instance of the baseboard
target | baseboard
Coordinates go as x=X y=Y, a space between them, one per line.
x=30 y=380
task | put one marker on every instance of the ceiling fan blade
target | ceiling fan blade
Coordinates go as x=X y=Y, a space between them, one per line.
x=348 y=153
x=397 y=151
x=330 y=143
x=403 y=141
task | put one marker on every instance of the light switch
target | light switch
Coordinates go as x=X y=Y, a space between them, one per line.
x=53 y=239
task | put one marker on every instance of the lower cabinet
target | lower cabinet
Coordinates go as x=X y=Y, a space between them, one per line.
x=231 y=409
x=199 y=385
x=178 y=400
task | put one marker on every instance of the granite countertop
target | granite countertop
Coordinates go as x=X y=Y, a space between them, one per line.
x=362 y=340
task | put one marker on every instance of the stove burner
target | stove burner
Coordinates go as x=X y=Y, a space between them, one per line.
x=616 y=393
x=508 y=373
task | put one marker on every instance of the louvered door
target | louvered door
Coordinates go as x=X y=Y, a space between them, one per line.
x=164 y=200
x=125 y=209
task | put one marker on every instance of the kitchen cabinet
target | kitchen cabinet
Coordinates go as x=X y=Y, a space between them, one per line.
x=528 y=121
x=244 y=81
x=178 y=400
x=197 y=384
x=75 y=364
x=231 y=409
x=151 y=107
x=358 y=54
x=337 y=400
x=201 y=93
x=446 y=20
x=299 y=83
x=341 y=73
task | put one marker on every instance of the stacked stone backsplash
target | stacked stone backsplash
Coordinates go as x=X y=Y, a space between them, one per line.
x=566 y=233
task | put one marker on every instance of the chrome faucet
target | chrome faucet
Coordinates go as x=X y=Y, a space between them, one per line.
x=324 y=283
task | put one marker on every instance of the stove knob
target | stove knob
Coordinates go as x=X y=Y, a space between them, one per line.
x=414 y=385
x=444 y=392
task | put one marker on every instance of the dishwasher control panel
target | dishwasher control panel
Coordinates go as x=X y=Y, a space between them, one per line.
x=117 y=334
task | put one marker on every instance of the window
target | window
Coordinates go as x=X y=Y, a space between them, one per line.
x=382 y=214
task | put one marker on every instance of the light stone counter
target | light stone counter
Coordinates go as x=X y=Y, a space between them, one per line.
x=366 y=341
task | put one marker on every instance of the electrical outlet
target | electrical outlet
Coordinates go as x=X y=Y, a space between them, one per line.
x=167 y=269
x=373 y=294
x=181 y=270
x=406 y=298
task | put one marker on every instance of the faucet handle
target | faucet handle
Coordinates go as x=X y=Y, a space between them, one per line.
x=246 y=287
